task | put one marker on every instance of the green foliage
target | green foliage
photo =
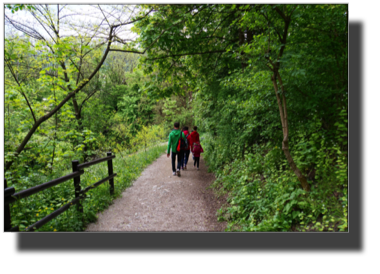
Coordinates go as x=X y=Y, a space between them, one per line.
x=227 y=54
x=264 y=194
x=135 y=108
x=27 y=211
x=262 y=198
x=149 y=136
x=176 y=110
x=211 y=66
x=17 y=7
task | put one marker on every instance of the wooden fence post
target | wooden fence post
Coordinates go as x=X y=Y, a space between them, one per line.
x=110 y=172
x=77 y=187
x=7 y=212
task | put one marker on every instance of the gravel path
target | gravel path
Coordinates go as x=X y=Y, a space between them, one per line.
x=158 y=201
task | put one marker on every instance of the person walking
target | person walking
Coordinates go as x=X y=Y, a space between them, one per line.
x=174 y=137
x=186 y=153
x=194 y=137
x=197 y=150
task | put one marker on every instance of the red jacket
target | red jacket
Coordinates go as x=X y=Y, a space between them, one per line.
x=197 y=150
x=188 y=138
x=194 y=138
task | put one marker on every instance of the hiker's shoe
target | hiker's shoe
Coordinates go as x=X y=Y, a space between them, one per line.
x=185 y=167
x=197 y=168
x=174 y=174
x=178 y=173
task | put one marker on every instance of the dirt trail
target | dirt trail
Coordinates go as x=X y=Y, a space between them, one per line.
x=159 y=201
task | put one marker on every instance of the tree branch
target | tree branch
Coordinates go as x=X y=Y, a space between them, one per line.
x=184 y=54
x=22 y=93
x=133 y=21
x=24 y=29
x=130 y=51
x=59 y=106
x=88 y=97
x=104 y=16
x=38 y=20
x=280 y=13
x=295 y=6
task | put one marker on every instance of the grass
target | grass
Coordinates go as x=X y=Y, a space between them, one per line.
x=27 y=211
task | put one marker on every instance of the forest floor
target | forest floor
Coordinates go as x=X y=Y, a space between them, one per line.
x=159 y=201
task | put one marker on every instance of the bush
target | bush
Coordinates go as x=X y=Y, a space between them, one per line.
x=128 y=168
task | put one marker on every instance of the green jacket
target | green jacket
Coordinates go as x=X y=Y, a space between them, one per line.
x=173 y=140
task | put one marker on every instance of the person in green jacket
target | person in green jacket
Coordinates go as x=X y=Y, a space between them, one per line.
x=172 y=144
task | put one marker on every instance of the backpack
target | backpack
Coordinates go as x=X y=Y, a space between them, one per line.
x=182 y=144
x=187 y=143
x=197 y=148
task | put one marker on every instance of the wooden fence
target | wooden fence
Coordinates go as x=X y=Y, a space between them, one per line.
x=10 y=196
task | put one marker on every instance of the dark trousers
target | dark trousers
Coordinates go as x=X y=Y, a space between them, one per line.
x=179 y=156
x=196 y=161
x=186 y=155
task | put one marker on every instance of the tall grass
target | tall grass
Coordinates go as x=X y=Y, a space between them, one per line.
x=128 y=168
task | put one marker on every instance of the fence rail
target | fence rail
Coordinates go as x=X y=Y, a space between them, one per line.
x=81 y=166
x=10 y=196
x=30 y=191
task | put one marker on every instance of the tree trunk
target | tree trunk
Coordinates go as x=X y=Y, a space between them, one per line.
x=241 y=43
x=55 y=139
x=58 y=107
x=249 y=36
x=78 y=115
x=243 y=152
x=281 y=102
x=285 y=131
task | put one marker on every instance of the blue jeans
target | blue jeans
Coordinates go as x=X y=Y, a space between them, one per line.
x=186 y=155
x=179 y=160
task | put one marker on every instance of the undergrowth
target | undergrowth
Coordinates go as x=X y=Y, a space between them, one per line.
x=27 y=211
x=264 y=194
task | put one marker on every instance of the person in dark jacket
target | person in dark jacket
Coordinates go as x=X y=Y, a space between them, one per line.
x=172 y=144
x=186 y=153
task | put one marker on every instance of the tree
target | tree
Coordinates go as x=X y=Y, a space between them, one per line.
x=195 y=45
x=73 y=59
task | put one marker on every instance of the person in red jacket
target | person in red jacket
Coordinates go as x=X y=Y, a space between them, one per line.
x=194 y=137
x=186 y=153
x=197 y=150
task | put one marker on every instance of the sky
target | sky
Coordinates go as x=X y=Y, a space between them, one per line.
x=76 y=18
